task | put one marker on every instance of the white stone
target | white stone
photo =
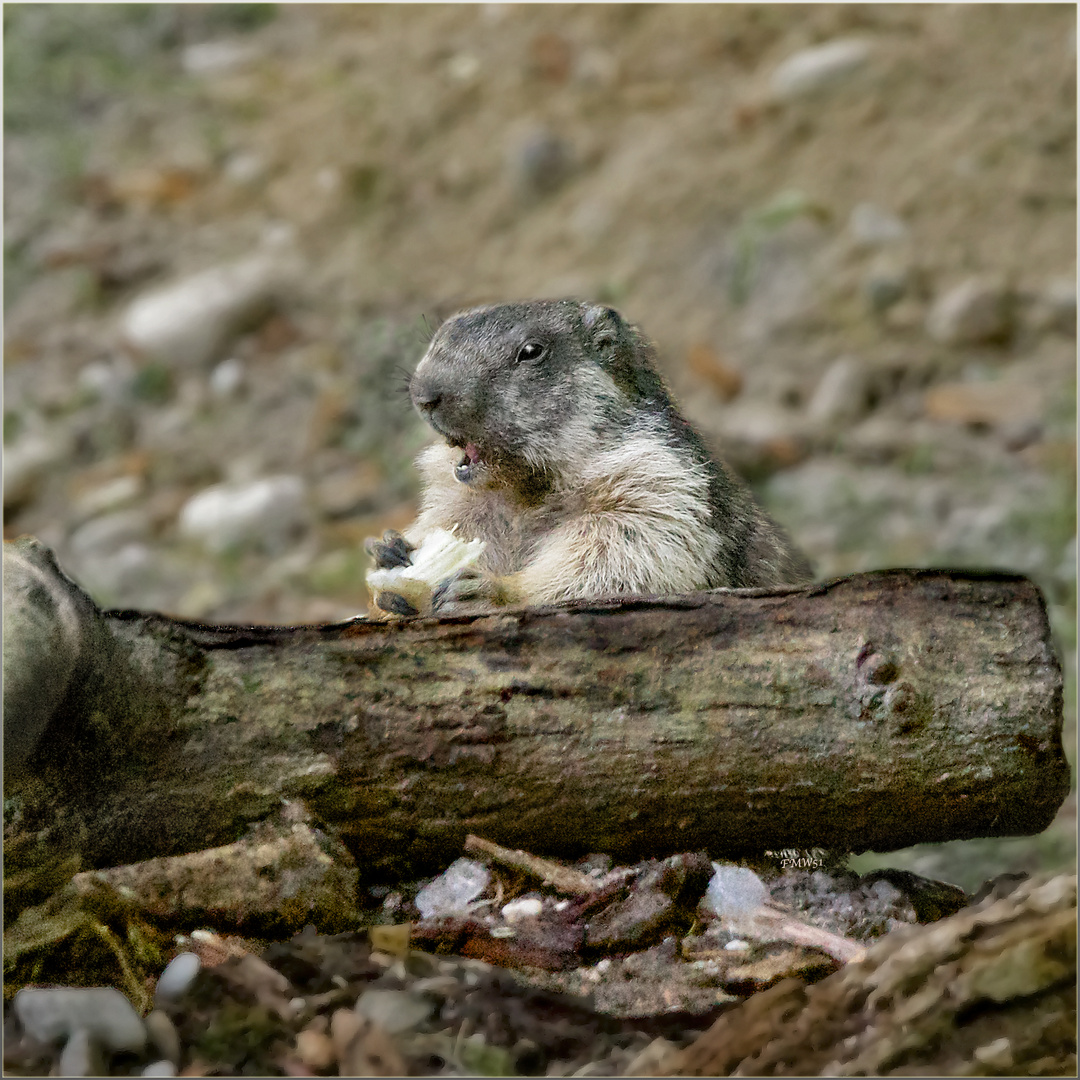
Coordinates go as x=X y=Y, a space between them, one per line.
x=80 y=1057
x=189 y=322
x=262 y=513
x=996 y=1056
x=111 y=495
x=463 y=67
x=812 y=70
x=244 y=168
x=871 y=226
x=28 y=462
x=973 y=312
x=159 y=1068
x=109 y=532
x=121 y=576
x=734 y=892
x=527 y=907
x=1055 y=306
x=885 y=891
x=227 y=379
x=55 y=1013
x=394 y=1010
x=841 y=396
x=453 y=891
x=109 y=381
x=216 y=57
x=178 y=975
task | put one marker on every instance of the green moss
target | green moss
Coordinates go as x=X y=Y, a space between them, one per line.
x=237 y=1035
x=153 y=383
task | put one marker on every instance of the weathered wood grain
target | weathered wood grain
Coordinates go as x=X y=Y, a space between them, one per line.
x=871 y=712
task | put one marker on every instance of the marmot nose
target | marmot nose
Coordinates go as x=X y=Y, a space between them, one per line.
x=426 y=398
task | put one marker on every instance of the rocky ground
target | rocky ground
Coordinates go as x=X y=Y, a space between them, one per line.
x=228 y=229
x=614 y=969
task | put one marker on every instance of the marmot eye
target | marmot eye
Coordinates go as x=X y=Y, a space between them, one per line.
x=530 y=351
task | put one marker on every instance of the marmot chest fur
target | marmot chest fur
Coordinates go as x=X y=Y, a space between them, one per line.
x=564 y=453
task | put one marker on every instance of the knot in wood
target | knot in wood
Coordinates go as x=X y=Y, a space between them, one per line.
x=902 y=706
x=877 y=668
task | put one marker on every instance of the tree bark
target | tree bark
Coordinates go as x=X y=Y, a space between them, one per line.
x=871 y=712
x=989 y=991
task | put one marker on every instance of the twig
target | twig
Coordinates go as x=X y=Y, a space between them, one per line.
x=787 y=928
x=562 y=878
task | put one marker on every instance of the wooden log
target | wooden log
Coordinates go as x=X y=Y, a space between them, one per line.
x=871 y=712
x=988 y=991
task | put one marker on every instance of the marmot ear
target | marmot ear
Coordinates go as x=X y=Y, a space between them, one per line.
x=604 y=327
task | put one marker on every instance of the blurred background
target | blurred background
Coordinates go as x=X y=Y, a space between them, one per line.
x=230 y=228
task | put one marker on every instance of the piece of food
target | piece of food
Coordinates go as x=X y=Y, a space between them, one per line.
x=440 y=556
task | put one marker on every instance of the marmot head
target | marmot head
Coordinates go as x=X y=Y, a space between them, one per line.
x=532 y=387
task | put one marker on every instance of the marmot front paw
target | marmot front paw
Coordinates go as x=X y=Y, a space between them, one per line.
x=392 y=551
x=395 y=604
x=465 y=586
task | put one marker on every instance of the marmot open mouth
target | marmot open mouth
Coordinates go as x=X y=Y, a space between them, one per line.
x=465 y=469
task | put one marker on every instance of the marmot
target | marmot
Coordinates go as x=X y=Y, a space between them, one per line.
x=564 y=453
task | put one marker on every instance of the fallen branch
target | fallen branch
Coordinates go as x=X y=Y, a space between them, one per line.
x=872 y=712
x=563 y=879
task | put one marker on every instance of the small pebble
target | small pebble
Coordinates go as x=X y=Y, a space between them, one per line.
x=738 y=945
x=50 y=1014
x=189 y=322
x=525 y=908
x=177 y=977
x=315 y=1049
x=80 y=1057
x=885 y=891
x=214 y=58
x=159 y=1068
x=734 y=892
x=464 y=67
x=996 y=1056
x=885 y=284
x=266 y=512
x=163 y=1035
x=541 y=162
x=1054 y=307
x=110 y=532
x=811 y=70
x=971 y=313
x=454 y=890
x=394 y=1010
x=841 y=395
x=227 y=378
x=871 y=226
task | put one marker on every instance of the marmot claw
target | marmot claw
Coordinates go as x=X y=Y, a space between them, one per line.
x=390 y=552
x=463 y=585
x=395 y=604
